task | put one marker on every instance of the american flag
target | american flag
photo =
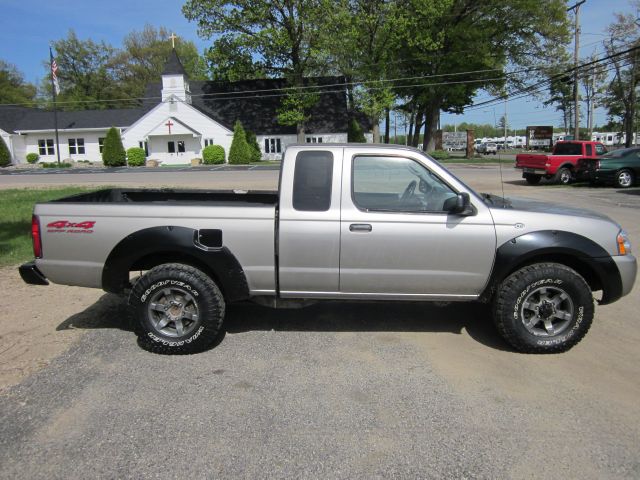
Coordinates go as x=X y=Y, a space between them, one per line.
x=54 y=71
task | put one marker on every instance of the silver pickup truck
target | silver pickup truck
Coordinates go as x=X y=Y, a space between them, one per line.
x=356 y=222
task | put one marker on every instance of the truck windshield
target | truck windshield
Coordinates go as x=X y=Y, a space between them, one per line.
x=568 y=149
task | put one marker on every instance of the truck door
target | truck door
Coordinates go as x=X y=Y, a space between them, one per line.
x=397 y=238
x=309 y=225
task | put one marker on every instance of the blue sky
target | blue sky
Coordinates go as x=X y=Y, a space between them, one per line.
x=27 y=27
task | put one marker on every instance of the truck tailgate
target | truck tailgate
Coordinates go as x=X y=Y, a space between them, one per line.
x=531 y=160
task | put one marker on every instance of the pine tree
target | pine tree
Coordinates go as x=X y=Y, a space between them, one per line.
x=252 y=141
x=5 y=156
x=113 y=153
x=355 y=134
x=240 y=152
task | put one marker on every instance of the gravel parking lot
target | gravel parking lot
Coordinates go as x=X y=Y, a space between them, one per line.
x=336 y=390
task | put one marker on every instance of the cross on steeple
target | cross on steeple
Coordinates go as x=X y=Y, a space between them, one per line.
x=173 y=38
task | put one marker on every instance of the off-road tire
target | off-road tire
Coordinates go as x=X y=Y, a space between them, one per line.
x=624 y=178
x=532 y=179
x=563 y=176
x=516 y=297
x=193 y=292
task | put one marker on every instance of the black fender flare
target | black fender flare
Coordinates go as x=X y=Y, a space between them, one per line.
x=576 y=251
x=176 y=244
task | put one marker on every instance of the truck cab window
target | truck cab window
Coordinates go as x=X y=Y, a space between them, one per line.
x=398 y=185
x=312 y=181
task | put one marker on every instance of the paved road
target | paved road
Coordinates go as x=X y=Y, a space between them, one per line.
x=339 y=390
x=485 y=176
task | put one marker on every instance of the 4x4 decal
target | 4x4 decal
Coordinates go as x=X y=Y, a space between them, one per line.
x=65 y=226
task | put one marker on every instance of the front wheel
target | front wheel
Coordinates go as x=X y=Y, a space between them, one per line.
x=176 y=309
x=543 y=308
x=624 y=179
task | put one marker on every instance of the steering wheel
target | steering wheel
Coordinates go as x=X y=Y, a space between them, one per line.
x=408 y=192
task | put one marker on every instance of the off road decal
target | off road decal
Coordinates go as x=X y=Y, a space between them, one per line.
x=181 y=343
x=65 y=226
x=163 y=283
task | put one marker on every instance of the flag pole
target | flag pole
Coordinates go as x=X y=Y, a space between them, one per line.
x=55 y=110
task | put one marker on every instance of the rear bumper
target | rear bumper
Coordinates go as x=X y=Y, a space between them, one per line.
x=532 y=170
x=31 y=275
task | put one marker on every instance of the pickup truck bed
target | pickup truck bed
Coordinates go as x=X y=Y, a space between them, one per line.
x=171 y=196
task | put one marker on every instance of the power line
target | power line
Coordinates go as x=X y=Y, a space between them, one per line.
x=325 y=89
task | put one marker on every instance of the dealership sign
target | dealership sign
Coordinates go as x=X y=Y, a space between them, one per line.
x=539 y=136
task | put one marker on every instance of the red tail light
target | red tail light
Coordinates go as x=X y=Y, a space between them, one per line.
x=35 y=236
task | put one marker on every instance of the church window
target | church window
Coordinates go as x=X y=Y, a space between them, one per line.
x=180 y=146
x=144 y=145
x=101 y=143
x=208 y=141
x=45 y=147
x=314 y=139
x=76 y=146
x=171 y=147
x=272 y=145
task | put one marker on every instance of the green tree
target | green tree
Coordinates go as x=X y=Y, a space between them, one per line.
x=113 y=153
x=364 y=51
x=594 y=85
x=143 y=56
x=240 y=152
x=621 y=99
x=86 y=75
x=278 y=38
x=443 y=40
x=355 y=133
x=13 y=88
x=5 y=155
x=252 y=141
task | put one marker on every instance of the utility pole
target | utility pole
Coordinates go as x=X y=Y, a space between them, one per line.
x=505 y=122
x=591 y=107
x=576 y=123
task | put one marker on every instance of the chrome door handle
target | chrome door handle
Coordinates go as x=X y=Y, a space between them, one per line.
x=360 y=227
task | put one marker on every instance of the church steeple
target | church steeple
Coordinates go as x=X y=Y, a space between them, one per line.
x=173 y=65
x=175 y=82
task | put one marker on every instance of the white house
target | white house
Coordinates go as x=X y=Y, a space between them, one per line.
x=180 y=121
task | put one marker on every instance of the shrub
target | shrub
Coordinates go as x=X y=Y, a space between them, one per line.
x=136 y=157
x=5 y=156
x=240 y=152
x=213 y=154
x=56 y=165
x=113 y=154
x=440 y=154
x=355 y=133
x=32 y=157
x=252 y=141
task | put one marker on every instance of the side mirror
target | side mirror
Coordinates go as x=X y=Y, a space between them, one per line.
x=462 y=205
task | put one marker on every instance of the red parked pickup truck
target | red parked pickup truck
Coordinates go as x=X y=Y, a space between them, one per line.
x=560 y=165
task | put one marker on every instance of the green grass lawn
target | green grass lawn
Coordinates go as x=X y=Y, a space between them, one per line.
x=16 y=207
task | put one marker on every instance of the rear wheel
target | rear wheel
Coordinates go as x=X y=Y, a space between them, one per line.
x=543 y=308
x=532 y=179
x=563 y=176
x=176 y=309
x=624 y=179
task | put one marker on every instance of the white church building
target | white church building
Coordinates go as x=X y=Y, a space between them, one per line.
x=178 y=119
